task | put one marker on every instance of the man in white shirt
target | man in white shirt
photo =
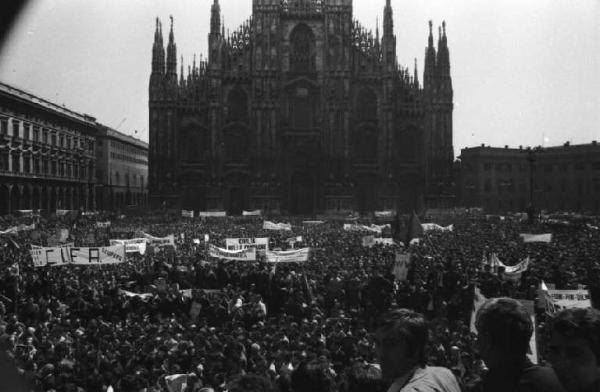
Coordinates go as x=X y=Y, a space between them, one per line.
x=400 y=339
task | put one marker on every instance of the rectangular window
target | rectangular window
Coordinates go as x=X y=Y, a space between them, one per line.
x=62 y=141
x=16 y=125
x=26 y=131
x=36 y=134
x=53 y=139
x=3 y=125
x=45 y=136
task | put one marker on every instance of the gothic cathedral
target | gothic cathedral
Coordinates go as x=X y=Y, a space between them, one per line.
x=299 y=111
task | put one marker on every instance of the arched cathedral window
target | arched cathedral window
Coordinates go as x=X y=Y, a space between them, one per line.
x=302 y=53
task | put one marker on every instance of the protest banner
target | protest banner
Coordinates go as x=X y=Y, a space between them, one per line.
x=248 y=254
x=370 y=240
x=187 y=214
x=252 y=213
x=570 y=299
x=435 y=227
x=103 y=225
x=62 y=212
x=313 y=222
x=17 y=229
x=29 y=213
x=358 y=227
x=212 y=214
x=78 y=256
x=89 y=213
x=547 y=238
x=134 y=245
x=401 y=264
x=67 y=245
x=385 y=214
x=160 y=242
x=268 y=225
x=143 y=296
x=288 y=256
x=261 y=244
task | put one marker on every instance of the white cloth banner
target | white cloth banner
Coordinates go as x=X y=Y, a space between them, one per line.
x=433 y=226
x=569 y=299
x=357 y=227
x=510 y=272
x=135 y=245
x=248 y=254
x=313 y=222
x=160 y=242
x=16 y=229
x=268 y=225
x=252 y=213
x=130 y=294
x=384 y=214
x=547 y=238
x=214 y=214
x=369 y=240
x=102 y=225
x=78 y=256
x=261 y=244
x=187 y=214
x=89 y=213
x=62 y=212
x=401 y=265
x=67 y=245
x=288 y=256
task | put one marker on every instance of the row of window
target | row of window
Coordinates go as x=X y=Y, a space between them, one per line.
x=137 y=181
x=45 y=135
x=127 y=158
x=126 y=149
x=547 y=168
x=42 y=166
x=508 y=186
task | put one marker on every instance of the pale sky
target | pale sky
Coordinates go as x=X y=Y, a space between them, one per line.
x=522 y=70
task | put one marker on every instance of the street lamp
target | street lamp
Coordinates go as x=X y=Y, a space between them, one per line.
x=531 y=157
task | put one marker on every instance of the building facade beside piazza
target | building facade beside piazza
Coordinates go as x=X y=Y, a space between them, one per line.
x=300 y=110
x=47 y=156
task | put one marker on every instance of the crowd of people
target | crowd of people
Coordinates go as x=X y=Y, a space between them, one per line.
x=176 y=319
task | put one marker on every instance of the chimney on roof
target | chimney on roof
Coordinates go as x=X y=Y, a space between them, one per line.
x=520 y=147
x=506 y=146
x=482 y=144
x=567 y=144
x=594 y=142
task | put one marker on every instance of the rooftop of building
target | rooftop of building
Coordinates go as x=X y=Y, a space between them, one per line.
x=33 y=99
x=105 y=131
x=567 y=146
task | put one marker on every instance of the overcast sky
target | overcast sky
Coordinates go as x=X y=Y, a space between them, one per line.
x=523 y=70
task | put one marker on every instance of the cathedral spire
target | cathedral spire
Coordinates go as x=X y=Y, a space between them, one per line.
x=215 y=18
x=172 y=56
x=416 y=75
x=388 y=42
x=430 y=62
x=158 y=51
x=443 y=61
x=181 y=79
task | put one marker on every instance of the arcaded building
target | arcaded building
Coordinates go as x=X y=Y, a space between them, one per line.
x=47 y=156
x=122 y=170
x=300 y=110
x=561 y=178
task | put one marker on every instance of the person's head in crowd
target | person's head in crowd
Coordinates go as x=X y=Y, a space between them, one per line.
x=575 y=349
x=313 y=376
x=400 y=342
x=365 y=377
x=504 y=329
x=251 y=383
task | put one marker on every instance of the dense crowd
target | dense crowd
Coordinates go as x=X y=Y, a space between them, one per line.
x=178 y=311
